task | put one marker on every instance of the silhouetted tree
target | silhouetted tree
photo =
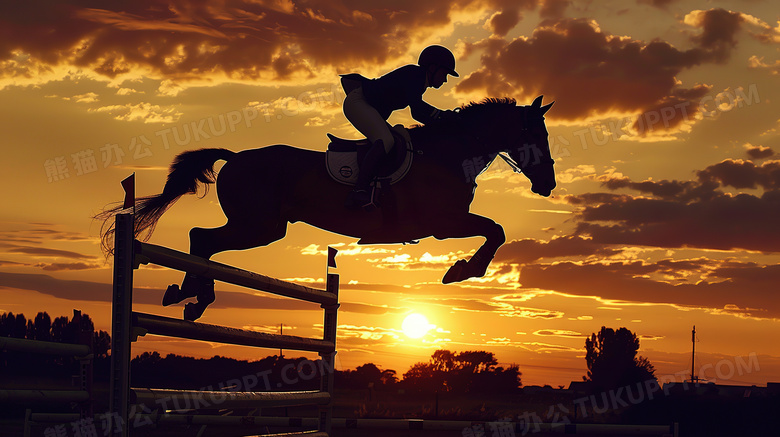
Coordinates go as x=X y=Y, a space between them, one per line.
x=389 y=377
x=468 y=371
x=42 y=327
x=101 y=344
x=19 y=327
x=366 y=374
x=476 y=361
x=424 y=377
x=443 y=360
x=30 y=330
x=612 y=360
x=79 y=330
x=59 y=329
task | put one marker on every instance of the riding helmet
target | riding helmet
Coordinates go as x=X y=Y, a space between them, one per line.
x=439 y=55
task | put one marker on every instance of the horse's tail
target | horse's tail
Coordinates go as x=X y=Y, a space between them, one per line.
x=187 y=170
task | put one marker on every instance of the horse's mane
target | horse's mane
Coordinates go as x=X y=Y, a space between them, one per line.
x=472 y=115
x=486 y=105
x=472 y=111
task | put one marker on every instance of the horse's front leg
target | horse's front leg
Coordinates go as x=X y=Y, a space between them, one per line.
x=471 y=225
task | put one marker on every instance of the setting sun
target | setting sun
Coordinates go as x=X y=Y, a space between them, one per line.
x=416 y=325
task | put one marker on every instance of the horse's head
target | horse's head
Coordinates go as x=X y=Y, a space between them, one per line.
x=528 y=150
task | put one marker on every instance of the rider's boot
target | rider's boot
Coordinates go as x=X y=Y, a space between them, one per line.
x=360 y=196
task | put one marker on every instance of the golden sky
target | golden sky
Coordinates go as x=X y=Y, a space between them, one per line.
x=664 y=132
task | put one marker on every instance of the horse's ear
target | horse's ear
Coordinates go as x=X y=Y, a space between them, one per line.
x=546 y=107
x=537 y=102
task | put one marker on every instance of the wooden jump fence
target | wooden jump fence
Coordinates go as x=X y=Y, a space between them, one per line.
x=127 y=325
x=80 y=396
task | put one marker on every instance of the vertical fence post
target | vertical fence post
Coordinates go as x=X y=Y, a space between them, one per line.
x=86 y=366
x=86 y=376
x=120 y=325
x=329 y=358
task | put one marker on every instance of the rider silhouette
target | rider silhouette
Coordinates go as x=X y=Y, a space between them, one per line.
x=370 y=102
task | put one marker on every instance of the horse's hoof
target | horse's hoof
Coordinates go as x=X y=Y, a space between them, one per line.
x=172 y=295
x=193 y=311
x=455 y=273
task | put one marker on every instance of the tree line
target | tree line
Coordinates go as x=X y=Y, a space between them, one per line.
x=611 y=359
x=79 y=330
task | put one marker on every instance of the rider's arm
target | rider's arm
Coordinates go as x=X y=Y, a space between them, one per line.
x=423 y=111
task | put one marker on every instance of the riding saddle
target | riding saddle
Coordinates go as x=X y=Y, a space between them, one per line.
x=343 y=157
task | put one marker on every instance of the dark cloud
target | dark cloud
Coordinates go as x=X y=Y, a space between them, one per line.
x=670 y=111
x=352 y=307
x=725 y=287
x=559 y=333
x=590 y=72
x=664 y=189
x=744 y=174
x=40 y=233
x=54 y=253
x=502 y=22
x=97 y=292
x=688 y=213
x=68 y=266
x=180 y=39
x=4 y=263
x=460 y=304
x=725 y=223
x=719 y=28
x=660 y=4
x=60 y=288
x=759 y=152
x=529 y=250
x=554 y=9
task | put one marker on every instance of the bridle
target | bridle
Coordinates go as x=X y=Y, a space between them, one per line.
x=524 y=129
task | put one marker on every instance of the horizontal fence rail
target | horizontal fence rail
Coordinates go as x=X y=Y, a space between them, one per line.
x=43 y=396
x=52 y=397
x=43 y=347
x=158 y=325
x=246 y=421
x=169 y=399
x=150 y=253
x=520 y=428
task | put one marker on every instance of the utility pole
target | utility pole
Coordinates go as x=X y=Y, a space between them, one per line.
x=281 y=332
x=694 y=378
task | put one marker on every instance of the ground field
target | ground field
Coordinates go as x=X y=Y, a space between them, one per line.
x=696 y=416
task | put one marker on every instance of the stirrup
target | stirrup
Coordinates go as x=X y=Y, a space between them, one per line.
x=358 y=198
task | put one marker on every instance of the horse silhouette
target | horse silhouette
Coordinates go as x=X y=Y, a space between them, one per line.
x=261 y=190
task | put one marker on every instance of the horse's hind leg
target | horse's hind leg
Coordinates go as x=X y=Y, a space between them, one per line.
x=235 y=235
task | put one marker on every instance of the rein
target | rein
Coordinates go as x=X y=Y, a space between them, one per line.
x=511 y=162
x=474 y=143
